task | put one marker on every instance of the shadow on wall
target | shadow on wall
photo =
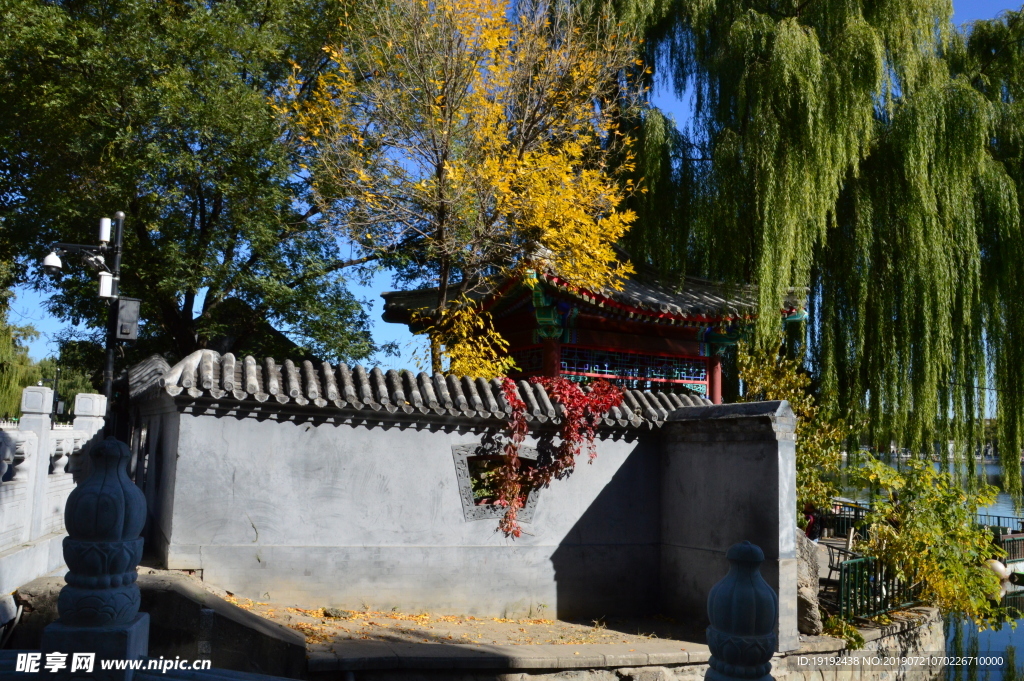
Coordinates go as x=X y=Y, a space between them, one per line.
x=608 y=563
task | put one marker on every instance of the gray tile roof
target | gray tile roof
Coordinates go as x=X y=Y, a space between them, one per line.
x=396 y=395
x=696 y=297
x=693 y=298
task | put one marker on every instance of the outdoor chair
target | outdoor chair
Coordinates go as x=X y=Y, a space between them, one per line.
x=836 y=556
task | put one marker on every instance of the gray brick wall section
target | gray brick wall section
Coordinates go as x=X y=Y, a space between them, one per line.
x=338 y=486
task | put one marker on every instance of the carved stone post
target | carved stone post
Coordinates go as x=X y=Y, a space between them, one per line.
x=89 y=419
x=36 y=402
x=743 y=611
x=99 y=607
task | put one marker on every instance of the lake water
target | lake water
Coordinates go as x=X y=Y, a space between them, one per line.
x=962 y=638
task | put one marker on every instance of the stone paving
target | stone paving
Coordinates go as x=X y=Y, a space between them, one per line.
x=326 y=626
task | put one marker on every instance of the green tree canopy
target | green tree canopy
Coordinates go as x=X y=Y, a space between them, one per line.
x=163 y=110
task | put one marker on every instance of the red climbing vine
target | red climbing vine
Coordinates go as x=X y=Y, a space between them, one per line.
x=580 y=414
x=509 y=480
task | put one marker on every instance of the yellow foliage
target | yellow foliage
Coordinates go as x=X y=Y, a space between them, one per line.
x=470 y=343
x=459 y=134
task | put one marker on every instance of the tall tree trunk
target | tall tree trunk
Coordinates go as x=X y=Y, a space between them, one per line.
x=445 y=273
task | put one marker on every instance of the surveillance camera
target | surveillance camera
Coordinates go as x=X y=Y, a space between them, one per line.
x=52 y=263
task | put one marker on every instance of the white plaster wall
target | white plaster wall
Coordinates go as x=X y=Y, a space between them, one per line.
x=729 y=477
x=323 y=514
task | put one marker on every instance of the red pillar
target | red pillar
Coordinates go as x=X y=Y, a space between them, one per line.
x=715 y=379
x=552 y=354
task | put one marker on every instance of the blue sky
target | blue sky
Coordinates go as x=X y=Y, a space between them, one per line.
x=29 y=306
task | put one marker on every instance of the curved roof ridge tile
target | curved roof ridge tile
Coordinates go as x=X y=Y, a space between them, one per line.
x=395 y=387
x=272 y=380
x=455 y=390
x=415 y=398
x=491 y=404
x=380 y=390
x=441 y=390
x=207 y=373
x=227 y=371
x=348 y=386
x=330 y=382
x=309 y=378
x=364 y=391
x=476 y=402
x=544 y=400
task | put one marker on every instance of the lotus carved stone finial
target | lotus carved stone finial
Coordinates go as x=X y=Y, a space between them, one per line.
x=104 y=516
x=744 y=611
x=99 y=606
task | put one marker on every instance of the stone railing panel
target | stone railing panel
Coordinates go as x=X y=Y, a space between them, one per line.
x=35 y=455
x=64 y=444
x=18 y=450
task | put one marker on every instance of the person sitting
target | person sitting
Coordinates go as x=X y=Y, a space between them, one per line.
x=814 y=521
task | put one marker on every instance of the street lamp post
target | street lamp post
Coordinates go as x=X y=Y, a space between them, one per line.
x=115 y=271
x=122 y=315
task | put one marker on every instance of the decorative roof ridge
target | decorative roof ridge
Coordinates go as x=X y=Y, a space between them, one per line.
x=628 y=302
x=147 y=375
x=695 y=300
x=392 y=394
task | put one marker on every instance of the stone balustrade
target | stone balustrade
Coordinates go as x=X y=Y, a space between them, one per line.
x=15 y=448
x=39 y=463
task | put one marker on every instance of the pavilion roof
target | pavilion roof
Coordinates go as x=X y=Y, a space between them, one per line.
x=695 y=300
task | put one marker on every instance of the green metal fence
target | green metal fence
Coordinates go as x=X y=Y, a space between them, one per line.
x=866 y=589
x=841 y=517
x=1014 y=600
x=1014 y=547
x=1011 y=523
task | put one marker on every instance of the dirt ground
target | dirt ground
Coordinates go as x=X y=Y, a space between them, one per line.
x=322 y=627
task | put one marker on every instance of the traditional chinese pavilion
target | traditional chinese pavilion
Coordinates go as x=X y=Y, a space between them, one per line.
x=644 y=337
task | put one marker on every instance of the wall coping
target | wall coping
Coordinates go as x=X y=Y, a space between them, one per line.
x=776 y=409
x=208 y=380
x=776 y=414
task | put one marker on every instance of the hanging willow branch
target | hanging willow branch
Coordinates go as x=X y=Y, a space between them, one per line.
x=871 y=152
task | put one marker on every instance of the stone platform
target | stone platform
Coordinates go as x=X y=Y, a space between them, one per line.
x=920 y=633
x=369 y=645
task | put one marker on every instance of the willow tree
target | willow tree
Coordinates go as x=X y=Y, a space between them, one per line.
x=17 y=369
x=869 y=152
x=458 y=140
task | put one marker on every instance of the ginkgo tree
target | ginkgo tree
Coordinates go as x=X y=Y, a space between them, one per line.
x=460 y=140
